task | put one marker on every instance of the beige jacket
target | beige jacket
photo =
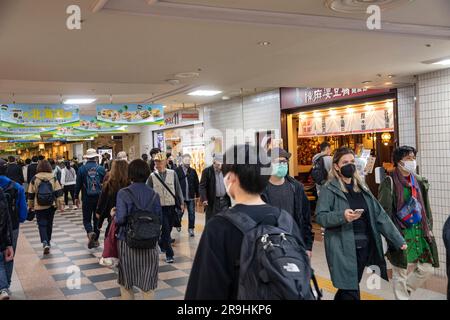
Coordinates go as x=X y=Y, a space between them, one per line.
x=33 y=188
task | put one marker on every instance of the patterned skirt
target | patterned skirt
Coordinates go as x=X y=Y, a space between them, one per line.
x=138 y=267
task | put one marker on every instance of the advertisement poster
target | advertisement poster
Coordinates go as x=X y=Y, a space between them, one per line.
x=356 y=122
x=91 y=124
x=38 y=115
x=131 y=114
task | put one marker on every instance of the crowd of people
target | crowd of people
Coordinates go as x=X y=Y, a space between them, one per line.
x=143 y=200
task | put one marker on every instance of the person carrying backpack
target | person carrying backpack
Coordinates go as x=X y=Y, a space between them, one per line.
x=89 y=182
x=68 y=181
x=6 y=240
x=138 y=215
x=251 y=251
x=15 y=202
x=322 y=163
x=45 y=195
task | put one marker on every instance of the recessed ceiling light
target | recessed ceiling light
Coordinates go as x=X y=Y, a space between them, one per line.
x=367 y=82
x=186 y=75
x=445 y=62
x=391 y=76
x=204 y=93
x=388 y=83
x=225 y=98
x=264 y=43
x=79 y=101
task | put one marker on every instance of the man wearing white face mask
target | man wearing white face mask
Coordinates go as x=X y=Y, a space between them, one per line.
x=404 y=196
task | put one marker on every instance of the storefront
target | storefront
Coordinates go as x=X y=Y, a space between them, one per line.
x=182 y=133
x=362 y=119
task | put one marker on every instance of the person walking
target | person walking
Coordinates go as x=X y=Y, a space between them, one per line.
x=108 y=197
x=89 y=182
x=165 y=183
x=16 y=206
x=68 y=182
x=322 y=164
x=190 y=187
x=151 y=162
x=31 y=172
x=404 y=192
x=137 y=267
x=45 y=196
x=354 y=221
x=284 y=192
x=6 y=240
x=14 y=171
x=212 y=190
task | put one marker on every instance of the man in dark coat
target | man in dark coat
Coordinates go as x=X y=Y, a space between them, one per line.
x=446 y=237
x=31 y=172
x=189 y=186
x=212 y=189
x=284 y=192
x=14 y=171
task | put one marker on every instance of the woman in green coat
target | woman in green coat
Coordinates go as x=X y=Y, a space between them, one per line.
x=396 y=190
x=353 y=221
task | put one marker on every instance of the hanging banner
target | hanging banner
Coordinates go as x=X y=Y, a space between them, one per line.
x=131 y=114
x=38 y=115
x=71 y=132
x=23 y=131
x=91 y=124
x=357 y=121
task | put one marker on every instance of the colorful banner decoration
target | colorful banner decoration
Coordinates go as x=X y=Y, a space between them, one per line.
x=131 y=114
x=91 y=124
x=23 y=131
x=357 y=121
x=63 y=132
x=38 y=115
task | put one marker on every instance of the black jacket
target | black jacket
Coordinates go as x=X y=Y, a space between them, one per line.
x=302 y=214
x=31 y=171
x=192 y=179
x=446 y=237
x=207 y=187
x=5 y=223
x=14 y=172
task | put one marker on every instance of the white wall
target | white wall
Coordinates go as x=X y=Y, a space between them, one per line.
x=406 y=116
x=434 y=147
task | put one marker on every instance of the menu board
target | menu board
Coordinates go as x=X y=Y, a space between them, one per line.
x=131 y=114
x=38 y=115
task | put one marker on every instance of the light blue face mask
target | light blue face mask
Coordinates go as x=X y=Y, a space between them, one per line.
x=279 y=169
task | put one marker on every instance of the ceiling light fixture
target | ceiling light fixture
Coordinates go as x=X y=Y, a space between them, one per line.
x=367 y=82
x=80 y=101
x=186 y=75
x=264 y=43
x=445 y=62
x=204 y=93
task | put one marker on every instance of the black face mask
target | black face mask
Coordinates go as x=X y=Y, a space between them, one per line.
x=348 y=170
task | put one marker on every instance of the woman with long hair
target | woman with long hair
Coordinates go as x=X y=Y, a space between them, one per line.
x=354 y=221
x=118 y=179
x=68 y=182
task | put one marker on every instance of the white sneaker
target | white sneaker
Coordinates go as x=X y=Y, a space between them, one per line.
x=66 y=208
x=4 y=295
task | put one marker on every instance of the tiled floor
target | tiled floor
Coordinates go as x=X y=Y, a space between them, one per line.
x=69 y=255
x=52 y=276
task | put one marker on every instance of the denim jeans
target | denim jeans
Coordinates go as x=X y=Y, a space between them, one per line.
x=168 y=213
x=6 y=268
x=90 y=221
x=191 y=212
x=45 y=223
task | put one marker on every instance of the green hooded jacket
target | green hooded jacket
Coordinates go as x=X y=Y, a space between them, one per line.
x=340 y=246
x=388 y=200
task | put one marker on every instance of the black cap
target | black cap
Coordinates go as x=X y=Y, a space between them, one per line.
x=279 y=153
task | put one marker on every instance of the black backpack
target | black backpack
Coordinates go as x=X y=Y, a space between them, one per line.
x=11 y=198
x=143 y=226
x=318 y=173
x=45 y=194
x=273 y=264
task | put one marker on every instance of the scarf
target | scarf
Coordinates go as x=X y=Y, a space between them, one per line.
x=400 y=182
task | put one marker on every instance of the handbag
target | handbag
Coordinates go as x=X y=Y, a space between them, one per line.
x=178 y=212
x=411 y=212
x=110 y=247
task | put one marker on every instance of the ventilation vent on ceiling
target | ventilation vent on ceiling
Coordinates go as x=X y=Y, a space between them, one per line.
x=360 y=6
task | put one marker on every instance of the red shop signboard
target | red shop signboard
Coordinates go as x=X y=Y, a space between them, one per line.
x=301 y=97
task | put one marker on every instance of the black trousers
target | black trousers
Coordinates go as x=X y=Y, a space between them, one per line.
x=45 y=223
x=219 y=205
x=362 y=256
x=90 y=221
x=71 y=190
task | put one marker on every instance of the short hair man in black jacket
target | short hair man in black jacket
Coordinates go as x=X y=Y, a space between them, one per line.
x=284 y=192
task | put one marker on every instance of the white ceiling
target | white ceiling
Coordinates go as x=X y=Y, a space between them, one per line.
x=129 y=48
